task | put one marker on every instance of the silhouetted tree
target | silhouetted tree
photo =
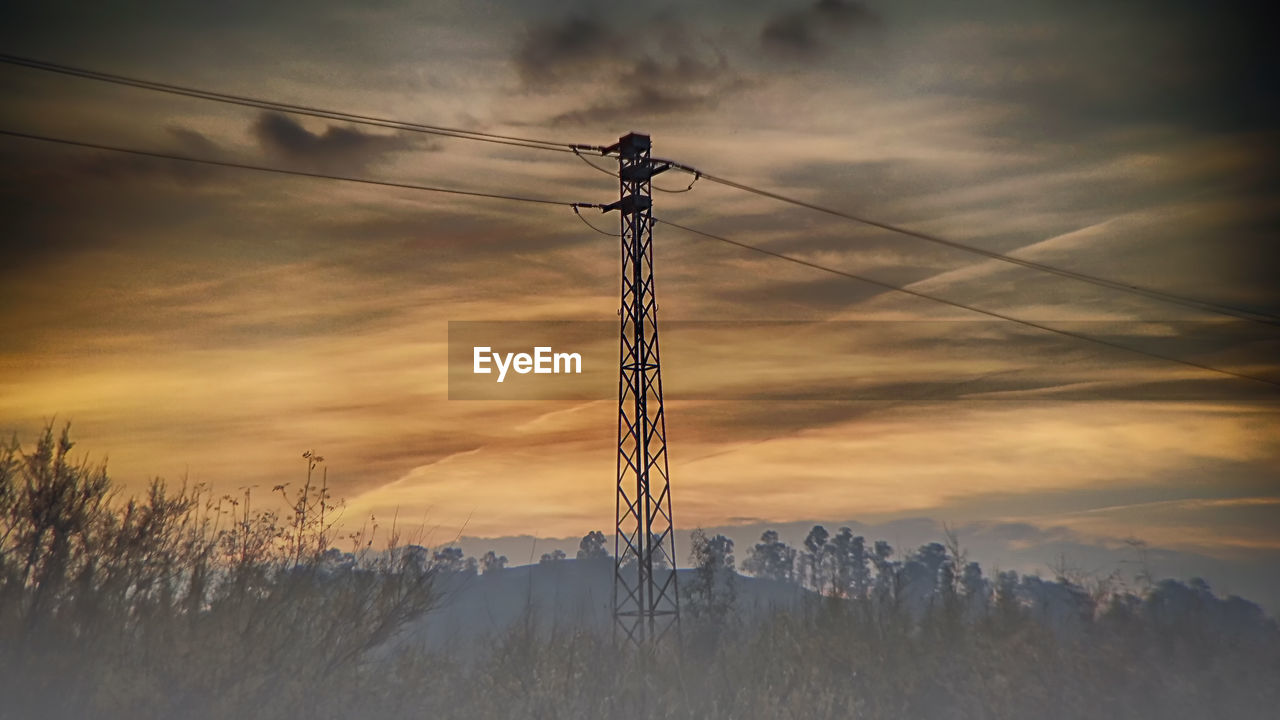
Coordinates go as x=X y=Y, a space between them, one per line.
x=921 y=574
x=849 y=565
x=447 y=559
x=815 y=544
x=592 y=546
x=492 y=562
x=1058 y=604
x=976 y=590
x=1008 y=607
x=712 y=593
x=887 y=590
x=771 y=558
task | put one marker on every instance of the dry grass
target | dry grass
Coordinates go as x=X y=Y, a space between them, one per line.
x=177 y=604
x=180 y=605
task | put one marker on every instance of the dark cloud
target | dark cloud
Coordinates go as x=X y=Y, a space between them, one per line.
x=791 y=32
x=59 y=199
x=840 y=12
x=650 y=87
x=660 y=67
x=207 y=44
x=809 y=33
x=337 y=148
x=1080 y=71
x=194 y=143
x=555 y=52
x=1214 y=64
x=666 y=64
x=180 y=142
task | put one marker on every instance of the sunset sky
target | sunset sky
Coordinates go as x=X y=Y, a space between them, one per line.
x=214 y=323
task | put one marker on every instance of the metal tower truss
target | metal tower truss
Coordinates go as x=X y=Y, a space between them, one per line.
x=646 y=603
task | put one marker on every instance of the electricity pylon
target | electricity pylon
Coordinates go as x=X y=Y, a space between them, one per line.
x=646 y=602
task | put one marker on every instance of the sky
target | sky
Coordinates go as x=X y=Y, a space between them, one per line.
x=211 y=324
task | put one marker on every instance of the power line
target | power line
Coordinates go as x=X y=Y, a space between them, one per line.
x=692 y=182
x=588 y=222
x=953 y=303
x=539 y=144
x=592 y=165
x=576 y=205
x=614 y=175
x=300 y=173
x=1192 y=303
x=261 y=104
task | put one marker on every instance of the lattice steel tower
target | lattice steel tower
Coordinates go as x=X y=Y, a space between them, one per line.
x=646 y=603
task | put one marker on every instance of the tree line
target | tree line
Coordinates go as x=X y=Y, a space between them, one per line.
x=182 y=604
